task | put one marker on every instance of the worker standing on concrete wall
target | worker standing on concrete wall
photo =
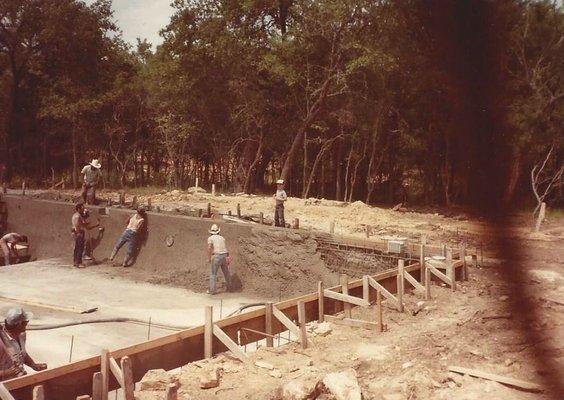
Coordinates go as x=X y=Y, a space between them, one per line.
x=8 y=244
x=92 y=175
x=218 y=256
x=279 y=197
x=13 y=354
x=130 y=236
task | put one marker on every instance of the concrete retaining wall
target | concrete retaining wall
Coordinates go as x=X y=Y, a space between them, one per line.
x=48 y=226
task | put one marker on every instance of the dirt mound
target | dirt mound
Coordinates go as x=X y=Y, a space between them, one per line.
x=282 y=263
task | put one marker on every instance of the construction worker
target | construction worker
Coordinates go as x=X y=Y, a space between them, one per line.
x=13 y=354
x=218 y=257
x=79 y=227
x=91 y=174
x=8 y=244
x=279 y=197
x=130 y=236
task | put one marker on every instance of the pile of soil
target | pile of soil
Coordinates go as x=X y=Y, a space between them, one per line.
x=282 y=263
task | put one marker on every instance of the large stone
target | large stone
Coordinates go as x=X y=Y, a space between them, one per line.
x=265 y=365
x=298 y=389
x=157 y=379
x=323 y=329
x=343 y=385
x=210 y=379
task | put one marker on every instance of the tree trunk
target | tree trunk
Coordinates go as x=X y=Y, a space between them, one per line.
x=74 y=157
x=338 y=172
x=513 y=178
x=251 y=170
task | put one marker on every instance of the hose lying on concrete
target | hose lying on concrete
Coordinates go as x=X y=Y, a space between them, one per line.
x=129 y=320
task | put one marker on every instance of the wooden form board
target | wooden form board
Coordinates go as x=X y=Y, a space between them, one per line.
x=177 y=349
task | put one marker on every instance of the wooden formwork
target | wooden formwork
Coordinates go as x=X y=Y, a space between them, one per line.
x=175 y=350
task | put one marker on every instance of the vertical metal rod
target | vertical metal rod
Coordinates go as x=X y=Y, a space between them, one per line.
x=71 y=346
x=149 y=330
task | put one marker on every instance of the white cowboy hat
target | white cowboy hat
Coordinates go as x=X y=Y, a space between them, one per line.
x=96 y=164
x=214 y=230
x=280 y=182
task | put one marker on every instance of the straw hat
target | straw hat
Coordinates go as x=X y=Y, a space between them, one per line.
x=96 y=164
x=214 y=230
x=280 y=182
x=16 y=316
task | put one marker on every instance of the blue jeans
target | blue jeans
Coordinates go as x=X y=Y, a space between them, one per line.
x=219 y=260
x=128 y=236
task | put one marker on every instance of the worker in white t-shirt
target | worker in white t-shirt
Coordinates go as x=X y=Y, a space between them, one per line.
x=218 y=256
x=130 y=236
x=279 y=198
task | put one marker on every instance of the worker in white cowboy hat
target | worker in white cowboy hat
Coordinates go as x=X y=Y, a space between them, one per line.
x=279 y=197
x=218 y=256
x=13 y=354
x=92 y=175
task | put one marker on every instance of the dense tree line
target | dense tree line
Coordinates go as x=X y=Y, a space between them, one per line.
x=345 y=99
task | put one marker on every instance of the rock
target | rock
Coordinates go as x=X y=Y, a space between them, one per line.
x=343 y=385
x=297 y=389
x=323 y=329
x=157 y=379
x=406 y=365
x=210 y=380
x=265 y=365
x=275 y=373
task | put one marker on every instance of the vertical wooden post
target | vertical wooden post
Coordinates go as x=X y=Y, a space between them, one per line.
x=97 y=386
x=427 y=284
x=105 y=371
x=238 y=210
x=197 y=183
x=268 y=324
x=38 y=392
x=332 y=227
x=149 y=204
x=23 y=188
x=451 y=271
x=367 y=231
x=321 y=302
x=213 y=189
x=400 y=284
x=128 y=382
x=365 y=288
x=200 y=213
x=443 y=249
x=134 y=203
x=209 y=210
x=208 y=332
x=345 y=290
x=302 y=322
x=422 y=263
x=122 y=198
x=171 y=392
x=462 y=253
x=379 y=311
x=261 y=218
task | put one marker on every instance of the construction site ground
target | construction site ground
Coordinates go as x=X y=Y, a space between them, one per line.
x=474 y=327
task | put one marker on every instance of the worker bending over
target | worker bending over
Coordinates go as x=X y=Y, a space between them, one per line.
x=130 y=236
x=8 y=244
x=218 y=256
x=279 y=197
x=79 y=227
x=13 y=354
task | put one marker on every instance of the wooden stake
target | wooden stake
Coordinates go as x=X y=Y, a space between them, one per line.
x=422 y=263
x=128 y=382
x=345 y=291
x=105 y=371
x=38 y=393
x=379 y=311
x=261 y=218
x=302 y=322
x=197 y=183
x=238 y=210
x=332 y=227
x=268 y=324
x=427 y=283
x=320 y=302
x=149 y=204
x=134 y=202
x=462 y=252
x=209 y=210
x=213 y=189
x=443 y=249
x=365 y=289
x=451 y=271
x=208 y=332
x=171 y=392
x=400 y=281
x=97 y=386
x=23 y=188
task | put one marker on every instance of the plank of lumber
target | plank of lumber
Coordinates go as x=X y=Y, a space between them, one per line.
x=439 y=275
x=356 y=323
x=346 y=298
x=105 y=370
x=413 y=281
x=38 y=393
x=498 y=378
x=97 y=386
x=302 y=321
x=345 y=291
x=280 y=316
x=208 y=332
x=384 y=291
x=230 y=344
x=128 y=381
x=268 y=324
x=116 y=370
x=4 y=393
x=320 y=302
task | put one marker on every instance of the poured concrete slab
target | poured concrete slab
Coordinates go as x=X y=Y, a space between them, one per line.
x=52 y=290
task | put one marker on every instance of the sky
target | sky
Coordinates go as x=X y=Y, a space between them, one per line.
x=141 y=18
